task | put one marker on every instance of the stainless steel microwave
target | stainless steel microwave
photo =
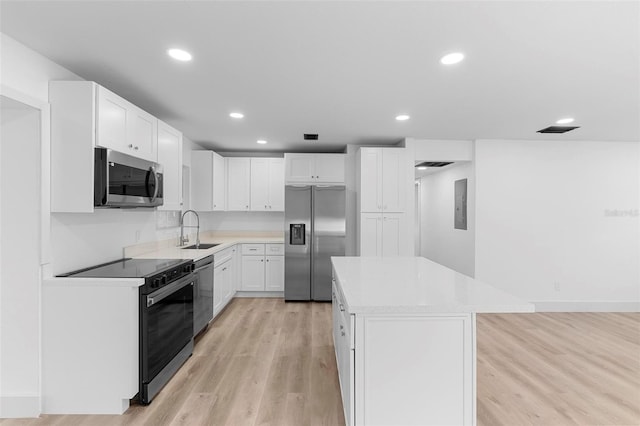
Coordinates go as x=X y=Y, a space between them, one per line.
x=125 y=181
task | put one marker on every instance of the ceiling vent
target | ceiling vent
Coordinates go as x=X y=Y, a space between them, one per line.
x=310 y=136
x=434 y=164
x=558 y=129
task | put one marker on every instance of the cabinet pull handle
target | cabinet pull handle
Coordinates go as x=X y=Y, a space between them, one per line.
x=341 y=327
x=136 y=148
x=341 y=307
x=130 y=145
x=342 y=333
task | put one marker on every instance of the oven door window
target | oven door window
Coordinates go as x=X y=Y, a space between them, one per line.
x=167 y=326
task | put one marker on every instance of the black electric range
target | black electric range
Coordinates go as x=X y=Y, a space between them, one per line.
x=165 y=315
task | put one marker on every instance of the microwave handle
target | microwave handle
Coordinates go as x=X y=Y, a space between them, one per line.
x=155 y=176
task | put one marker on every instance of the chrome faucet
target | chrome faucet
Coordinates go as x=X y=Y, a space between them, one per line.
x=184 y=239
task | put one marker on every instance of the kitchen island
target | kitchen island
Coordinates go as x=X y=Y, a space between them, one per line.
x=404 y=331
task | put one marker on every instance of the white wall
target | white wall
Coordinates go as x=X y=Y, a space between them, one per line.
x=242 y=221
x=546 y=228
x=19 y=258
x=439 y=241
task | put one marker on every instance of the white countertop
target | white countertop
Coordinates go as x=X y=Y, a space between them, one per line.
x=224 y=243
x=414 y=285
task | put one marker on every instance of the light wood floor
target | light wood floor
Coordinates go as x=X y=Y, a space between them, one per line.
x=266 y=362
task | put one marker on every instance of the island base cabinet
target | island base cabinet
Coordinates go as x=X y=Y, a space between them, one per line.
x=415 y=369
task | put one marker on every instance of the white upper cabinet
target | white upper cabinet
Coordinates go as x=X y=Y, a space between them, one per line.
x=170 y=157
x=314 y=168
x=208 y=181
x=382 y=180
x=238 y=184
x=267 y=184
x=124 y=127
x=85 y=115
x=219 y=183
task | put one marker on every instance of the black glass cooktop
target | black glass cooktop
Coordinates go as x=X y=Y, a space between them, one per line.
x=127 y=268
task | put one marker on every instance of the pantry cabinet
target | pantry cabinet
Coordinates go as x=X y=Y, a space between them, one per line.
x=383 y=174
x=208 y=181
x=314 y=168
x=267 y=184
x=170 y=157
x=383 y=234
x=238 y=184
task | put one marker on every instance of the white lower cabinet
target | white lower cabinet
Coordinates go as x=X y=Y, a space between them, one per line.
x=252 y=273
x=223 y=279
x=274 y=273
x=383 y=234
x=397 y=369
x=262 y=267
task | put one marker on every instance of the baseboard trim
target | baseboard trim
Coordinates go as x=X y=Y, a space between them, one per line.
x=19 y=406
x=259 y=294
x=587 y=306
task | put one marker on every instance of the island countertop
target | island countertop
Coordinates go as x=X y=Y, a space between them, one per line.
x=416 y=285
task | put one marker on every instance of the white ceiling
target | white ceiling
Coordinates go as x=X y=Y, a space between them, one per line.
x=346 y=69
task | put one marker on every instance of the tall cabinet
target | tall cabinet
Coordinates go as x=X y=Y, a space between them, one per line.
x=383 y=179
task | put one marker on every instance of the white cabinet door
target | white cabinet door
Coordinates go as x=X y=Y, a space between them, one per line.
x=393 y=183
x=229 y=288
x=124 y=127
x=170 y=157
x=276 y=184
x=236 y=269
x=144 y=130
x=238 y=184
x=370 y=179
x=201 y=180
x=219 y=183
x=392 y=234
x=259 y=184
x=252 y=273
x=112 y=117
x=329 y=168
x=370 y=234
x=219 y=276
x=274 y=273
x=299 y=168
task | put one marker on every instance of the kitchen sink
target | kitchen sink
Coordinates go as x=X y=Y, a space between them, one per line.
x=200 y=247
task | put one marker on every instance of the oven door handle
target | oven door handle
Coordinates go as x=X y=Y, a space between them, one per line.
x=167 y=291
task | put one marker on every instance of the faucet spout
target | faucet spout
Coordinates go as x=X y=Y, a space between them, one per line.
x=184 y=239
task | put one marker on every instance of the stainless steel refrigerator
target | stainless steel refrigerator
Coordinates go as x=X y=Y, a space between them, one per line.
x=314 y=219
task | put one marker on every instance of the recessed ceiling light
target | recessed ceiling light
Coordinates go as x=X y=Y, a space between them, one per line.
x=236 y=115
x=452 y=58
x=422 y=168
x=179 y=55
x=402 y=117
x=565 y=120
x=261 y=141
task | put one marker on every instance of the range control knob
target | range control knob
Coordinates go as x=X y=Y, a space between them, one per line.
x=163 y=279
x=155 y=283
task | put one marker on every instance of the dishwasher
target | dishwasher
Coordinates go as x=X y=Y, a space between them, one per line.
x=203 y=294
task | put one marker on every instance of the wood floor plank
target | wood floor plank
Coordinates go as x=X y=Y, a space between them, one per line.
x=267 y=362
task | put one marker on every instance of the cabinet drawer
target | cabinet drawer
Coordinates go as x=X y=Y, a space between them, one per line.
x=253 y=249
x=275 y=249
x=223 y=256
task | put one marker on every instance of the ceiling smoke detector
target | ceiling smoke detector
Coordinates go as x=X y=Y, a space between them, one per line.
x=558 y=129
x=310 y=136
x=433 y=164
